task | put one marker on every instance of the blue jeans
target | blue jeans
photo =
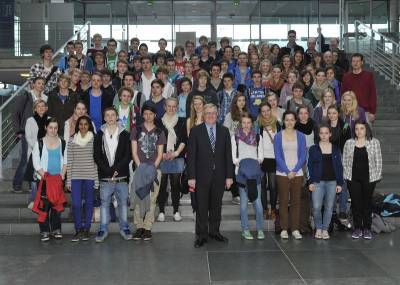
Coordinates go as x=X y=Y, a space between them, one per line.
x=324 y=194
x=107 y=189
x=244 y=219
x=343 y=197
x=20 y=172
x=82 y=190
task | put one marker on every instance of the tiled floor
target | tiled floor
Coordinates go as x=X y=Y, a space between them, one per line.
x=171 y=259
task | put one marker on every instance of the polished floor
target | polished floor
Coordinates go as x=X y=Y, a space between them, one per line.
x=171 y=259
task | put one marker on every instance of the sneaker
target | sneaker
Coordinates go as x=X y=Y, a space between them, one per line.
x=44 y=237
x=318 y=234
x=76 y=237
x=177 y=217
x=367 y=234
x=85 y=235
x=138 y=234
x=297 y=235
x=247 y=235
x=161 y=217
x=57 y=234
x=30 y=205
x=147 y=235
x=325 y=235
x=357 y=233
x=126 y=234
x=17 y=189
x=260 y=235
x=284 y=234
x=343 y=219
x=236 y=200
x=101 y=236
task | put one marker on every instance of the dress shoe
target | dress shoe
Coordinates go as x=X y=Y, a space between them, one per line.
x=199 y=242
x=218 y=237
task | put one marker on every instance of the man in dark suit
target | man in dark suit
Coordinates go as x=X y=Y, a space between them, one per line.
x=210 y=172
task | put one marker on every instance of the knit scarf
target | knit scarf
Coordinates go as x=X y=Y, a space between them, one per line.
x=264 y=123
x=306 y=128
x=318 y=90
x=41 y=123
x=170 y=123
x=275 y=85
x=82 y=141
x=250 y=138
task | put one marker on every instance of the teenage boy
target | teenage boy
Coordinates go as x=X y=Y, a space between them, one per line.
x=133 y=49
x=216 y=83
x=111 y=55
x=146 y=78
x=157 y=101
x=189 y=50
x=112 y=155
x=242 y=71
x=97 y=41
x=106 y=76
x=147 y=142
x=173 y=74
x=128 y=113
x=69 y=50
x=205 y=59
x=136 y=68
x=228 y=55
x=186 y=86
x=202 y=90
x=195 y=59
x=84 y=62
x=255 y=94
x=162 y=74
x=298 y=100
x=203 y=41
x=188 y=73
x=162 y=45
x=225 y=97
x=138 y=98
x=224 y=42
x=122 y=67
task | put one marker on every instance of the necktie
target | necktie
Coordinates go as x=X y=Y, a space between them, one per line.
x=212 y=139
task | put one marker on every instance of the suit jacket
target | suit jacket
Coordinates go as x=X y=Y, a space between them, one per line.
x=202 y=161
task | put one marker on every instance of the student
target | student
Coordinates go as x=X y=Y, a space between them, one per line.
x=321 y=112
x=111 y=55
x=275 y=53
x=228 y=56
x=298 y=100
x=186 y=86
x=195 y=60
x=325 y=170
x=147 y=143
x=99 y=62
x=350 y=111
x=84 y=62
x=286 y=66
x=306 y=125
x=97 y=41
x=265 y=68
x=122 y=67
x=362 y=162
x=247 y=154
x=146 y=78
x=319 y=86
x=268 y=126
x=202 y=90
x=85 y=83
x=237 y=109
x=107 y=86
x=128 y=113
x=49 y=159
x=196 y=113
x=72 y=63
x=162 y=45
x=172 y=165
x=286 y=92
x=189 y=50
x=159 y=60
x=23 y=109
x=225 y=97
x=74 y=86
x=216 y=82
x=333 y=82
x=243 y=74
x=290 y=153
x=205 y=59
x=275 y=83
x=162 y=74
x=70 y=124
x=265 y=51
x=112 y=156
x=157 y=100
x=224 y=67
x=307 y=79
x=133 y=49
x=212 y=50
x=173 y=74
x=254 y=61
x=298 y=61
x=179 y=52
x=136 y=69
x=138 y=98
x=61 y=102
x=277 y=111
x=69 y=50
x=255 y=94
x=82 y=176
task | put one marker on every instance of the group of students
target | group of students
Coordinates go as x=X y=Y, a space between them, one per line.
x=123 y=125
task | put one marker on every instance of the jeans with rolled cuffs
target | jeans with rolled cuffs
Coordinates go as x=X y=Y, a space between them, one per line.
x=258 y=209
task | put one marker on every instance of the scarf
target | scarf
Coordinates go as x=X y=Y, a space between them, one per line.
x=41 y=123
x=306 y=128
x=169 y=124
x=250 y=139
x=264 y=123
x=82 y=141
x=318 y=90
x=275 y=85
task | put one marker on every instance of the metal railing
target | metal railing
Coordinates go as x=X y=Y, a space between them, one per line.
x=8 y=139
x=380 y=51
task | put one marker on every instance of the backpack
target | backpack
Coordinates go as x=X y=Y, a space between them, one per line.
x=379 y=225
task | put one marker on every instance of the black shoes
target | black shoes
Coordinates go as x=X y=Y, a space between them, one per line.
x=147 y=235
x=200 y=242
x=77 y=236
x=85 y=235
x=138 y=234
x=218 y=237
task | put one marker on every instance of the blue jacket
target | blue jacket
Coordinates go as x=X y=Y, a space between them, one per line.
x=315 y=164
x=280 y=157
x=238 y=77
x=249 y=169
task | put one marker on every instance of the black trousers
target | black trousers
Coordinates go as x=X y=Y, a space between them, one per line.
x=361 y=192
x=175 y=191
x=52 y=222
x=209 y=204
x=269 y=183
x=234 y=188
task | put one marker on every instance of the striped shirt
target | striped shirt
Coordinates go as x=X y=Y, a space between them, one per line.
x=80 y=163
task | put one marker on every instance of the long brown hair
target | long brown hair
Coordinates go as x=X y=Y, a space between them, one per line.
x=263 y=123
x=193 y=114
x=235 y=112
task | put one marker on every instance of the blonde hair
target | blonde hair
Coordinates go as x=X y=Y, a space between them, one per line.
x=193 y=114
x=353 y=109
x=37 y=102
x=328 y=90
x=72 y=71
x=64 y=77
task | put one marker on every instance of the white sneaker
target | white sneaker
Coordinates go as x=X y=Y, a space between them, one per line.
x=284 y=234
x=236 y=200
x=30 y=205
x=161 y=217
x=325 y=235
x=177 y=217
x=297 y=235
x=318 y=234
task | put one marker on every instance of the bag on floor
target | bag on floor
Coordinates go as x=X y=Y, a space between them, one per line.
x=379 y=225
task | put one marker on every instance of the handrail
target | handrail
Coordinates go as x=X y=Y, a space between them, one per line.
x=58 y=51
x=359 y=23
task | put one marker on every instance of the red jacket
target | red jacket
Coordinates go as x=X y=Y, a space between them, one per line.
x=54 y=190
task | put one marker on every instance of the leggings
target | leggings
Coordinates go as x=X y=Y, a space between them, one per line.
x=269 y=183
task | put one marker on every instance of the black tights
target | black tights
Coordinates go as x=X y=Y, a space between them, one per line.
x=269 y=183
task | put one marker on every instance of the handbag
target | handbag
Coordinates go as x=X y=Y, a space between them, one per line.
x=176 y=165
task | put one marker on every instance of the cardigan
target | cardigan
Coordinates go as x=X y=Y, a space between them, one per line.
x=42 y=162
x=280 y=157
x=374 y=159
x=314 y=164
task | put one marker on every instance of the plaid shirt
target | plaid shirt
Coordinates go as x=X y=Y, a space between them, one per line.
x=374 y=159
x=225 y=102
x=37 y=70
